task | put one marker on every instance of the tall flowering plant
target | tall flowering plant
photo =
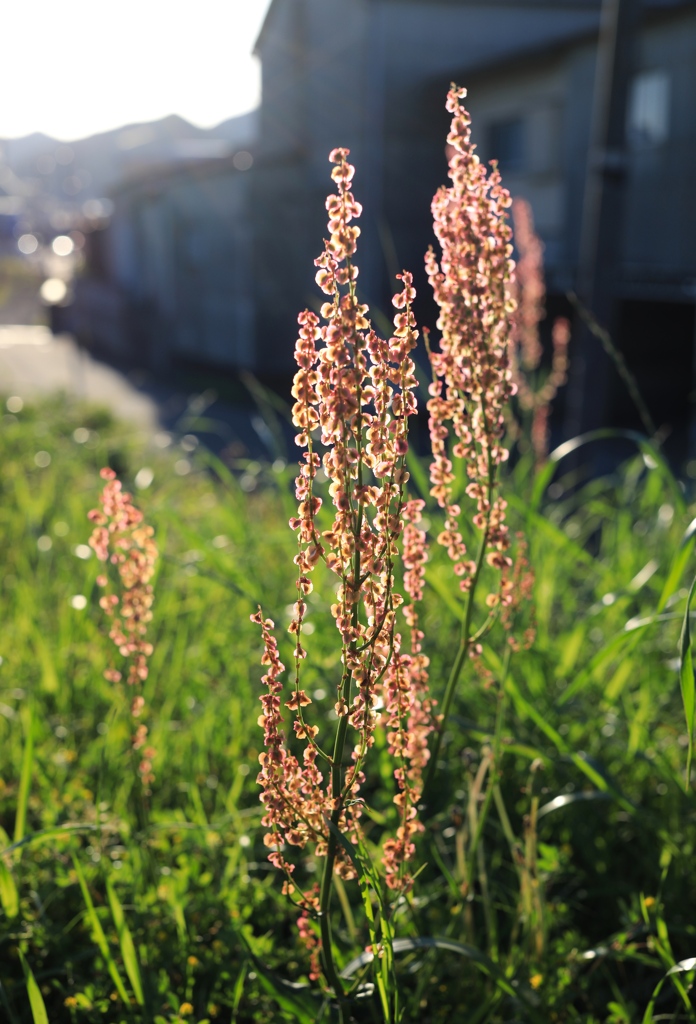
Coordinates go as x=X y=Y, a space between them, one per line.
x=121 y=538
x=473 y=285
x=354 y=395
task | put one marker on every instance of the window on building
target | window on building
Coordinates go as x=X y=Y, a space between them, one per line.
x=506 y=144
x=648 y=108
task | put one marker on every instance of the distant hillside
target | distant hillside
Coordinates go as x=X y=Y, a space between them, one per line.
x=88 y=168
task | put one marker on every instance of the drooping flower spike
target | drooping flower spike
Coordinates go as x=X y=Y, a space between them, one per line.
x=472 y=381
x=354 y=395
x=525 y=345
x=122 y=538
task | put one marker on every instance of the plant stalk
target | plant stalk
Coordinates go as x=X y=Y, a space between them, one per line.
x=463 y=650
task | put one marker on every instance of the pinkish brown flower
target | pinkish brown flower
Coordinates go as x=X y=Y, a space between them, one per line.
x=525 y=346
x=121 y=538
x=472 y=381
x=354 y=394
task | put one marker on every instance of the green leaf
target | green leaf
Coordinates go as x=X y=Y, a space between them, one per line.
x=238 y=990
x=679 y=563
x=646 y=447
x=125 y=939
x=483 y=962
x=25 y=776
x=8 y=891
x=594 y=773
x=417 y=470
x=98 y=934
x=440 y=579
x=301 y=1007
x=603 y=656
x=293 y=998
x=686 y=676
x=565 y=799
x=38 y=1007
x=46 y=833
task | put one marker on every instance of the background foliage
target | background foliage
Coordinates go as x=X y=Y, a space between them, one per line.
x=559 y=848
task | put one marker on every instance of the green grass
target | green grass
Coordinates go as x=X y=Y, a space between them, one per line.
x=558 y=880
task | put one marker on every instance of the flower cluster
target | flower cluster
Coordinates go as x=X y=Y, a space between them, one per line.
x=472 y=381
x=408 y=706
x=353 y=395
x=122 y=538
x=525 y=346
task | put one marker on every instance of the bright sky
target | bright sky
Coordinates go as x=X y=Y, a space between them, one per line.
x=70 y=68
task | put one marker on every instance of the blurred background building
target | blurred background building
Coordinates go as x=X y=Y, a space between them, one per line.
x=198 y=246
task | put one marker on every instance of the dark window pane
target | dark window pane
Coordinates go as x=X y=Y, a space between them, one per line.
x=506 y=144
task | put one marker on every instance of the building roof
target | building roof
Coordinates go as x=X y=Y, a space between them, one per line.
x=558 y=5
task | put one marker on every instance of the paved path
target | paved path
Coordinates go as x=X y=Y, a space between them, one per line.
x=34 y=362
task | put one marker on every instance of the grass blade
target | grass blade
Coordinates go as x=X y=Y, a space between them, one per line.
x=419 y=473
x=98 y=934
x=38 y=1007
x=125 y=939
x=676 y=569
x=483 y=962
x=583 y=764
x=686 y=677
x=25 y=776
x=8 y=892
x=644 y=445
x=238 y=990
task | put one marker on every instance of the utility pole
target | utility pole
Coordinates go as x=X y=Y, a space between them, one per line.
x=602 y=233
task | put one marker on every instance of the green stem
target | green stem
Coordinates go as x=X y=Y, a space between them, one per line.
x=463 y=650
x=495 y=765
x=337 y=763
x=327 y=878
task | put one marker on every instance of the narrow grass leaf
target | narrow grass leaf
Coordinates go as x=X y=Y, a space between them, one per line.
x=48 y=833
x=419 y=474
x=238 y=990
x=292 y=997
x=98 y=934
x=49 y=676
x=38 y=1007
x=125 y=939
x=25 y=776
x=483 y=962
x=594 y=774
x=565 y=799
x=441 y=582
x=602 y=658
x=676 y=569
x=686 y=676
x=299 y=1007
x=683 y=965
x=646 y=447
x=9 y=896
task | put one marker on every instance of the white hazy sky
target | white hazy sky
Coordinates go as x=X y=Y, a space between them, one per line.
x=70 y=68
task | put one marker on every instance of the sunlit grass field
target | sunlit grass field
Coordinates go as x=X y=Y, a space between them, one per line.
x=572 y=902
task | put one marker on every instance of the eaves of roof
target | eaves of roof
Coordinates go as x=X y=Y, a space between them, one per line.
x=658 y=12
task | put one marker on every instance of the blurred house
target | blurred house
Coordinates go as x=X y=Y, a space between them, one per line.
x=371 y=75
x=196 y=244
x=169 y=278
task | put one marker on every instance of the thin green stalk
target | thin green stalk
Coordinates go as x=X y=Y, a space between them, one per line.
x=327 y=877
x=619 y=362
x=464 y=644
x=495 y=763
x=336 y=767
